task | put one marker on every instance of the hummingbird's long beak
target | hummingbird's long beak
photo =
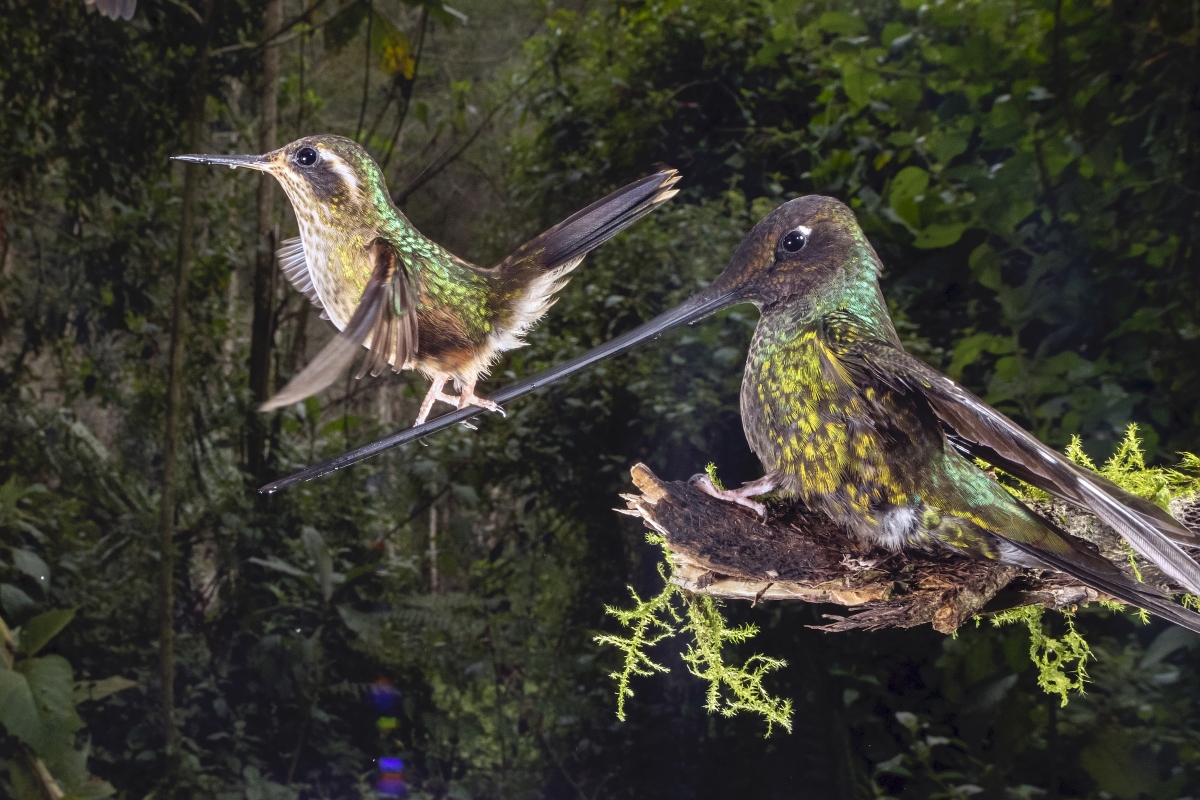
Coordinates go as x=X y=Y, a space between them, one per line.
x=252 y=162
x=709 y=301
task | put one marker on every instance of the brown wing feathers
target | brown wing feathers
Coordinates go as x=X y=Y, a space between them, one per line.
x=385 y=319
x=1149 y=530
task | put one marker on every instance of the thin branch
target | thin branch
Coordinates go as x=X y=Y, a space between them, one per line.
x=410 y=89
x=448 y=157
x=189 y=10
x=304 y=16
x=387 y=103
x=362 y=111
x=300 y=101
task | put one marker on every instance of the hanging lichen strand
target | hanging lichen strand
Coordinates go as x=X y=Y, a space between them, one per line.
x=673 y=611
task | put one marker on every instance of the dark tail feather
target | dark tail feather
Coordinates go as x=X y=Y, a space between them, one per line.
x=577 y=235
x=1113 y=582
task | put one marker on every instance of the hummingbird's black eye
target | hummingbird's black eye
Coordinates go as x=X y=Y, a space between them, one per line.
x=794 y=241
x=306 y=156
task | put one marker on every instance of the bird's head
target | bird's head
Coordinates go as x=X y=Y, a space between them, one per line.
x=332 y=174
x=807 y=252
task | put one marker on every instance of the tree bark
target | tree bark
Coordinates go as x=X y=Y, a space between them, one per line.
x=174 y=413
x=723 y=550
x=262 y=330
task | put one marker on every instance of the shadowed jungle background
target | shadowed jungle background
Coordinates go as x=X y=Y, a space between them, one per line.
x=1027 y=169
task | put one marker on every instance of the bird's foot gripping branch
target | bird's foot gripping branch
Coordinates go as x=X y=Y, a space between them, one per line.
x=717 y=550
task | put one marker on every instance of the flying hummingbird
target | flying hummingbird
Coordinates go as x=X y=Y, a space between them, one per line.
x=414 y=304
x=844 y=419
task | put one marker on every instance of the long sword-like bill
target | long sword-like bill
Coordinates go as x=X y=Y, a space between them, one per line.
x=252 y=162
x=700 y=306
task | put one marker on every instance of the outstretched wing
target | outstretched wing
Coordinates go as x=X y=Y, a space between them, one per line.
x=385 y=321
x=987 y=433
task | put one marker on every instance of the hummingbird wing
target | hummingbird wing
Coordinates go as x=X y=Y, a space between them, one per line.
x=1152 y=532
x=295 y=268
x=385 y=321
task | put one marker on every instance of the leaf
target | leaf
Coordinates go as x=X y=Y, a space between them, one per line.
x=395 y=54
x=36 y=705
x=18 y=713
x=841 y=22
x=319 y=552
x=1111 y=762
x=279 y=565
x=32 y=565
x=365 y=625
x=446 y=15
x=98 y=690
x=854 y=83
x=44 y=627
x=342 y=26
x=17 y=604
x=938 y=235
x=908 y=184
x=985 y=265
x=93 y=789
x=1168 y=642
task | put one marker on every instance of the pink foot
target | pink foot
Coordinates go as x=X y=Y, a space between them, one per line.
x=740 y=496
x=467 y=397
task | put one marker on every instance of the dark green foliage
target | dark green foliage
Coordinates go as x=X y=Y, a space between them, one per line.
x=1022 y=168
x=1062 y=283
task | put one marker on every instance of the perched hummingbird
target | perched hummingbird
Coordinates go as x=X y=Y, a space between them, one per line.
x=844 y=419
x=414 y=304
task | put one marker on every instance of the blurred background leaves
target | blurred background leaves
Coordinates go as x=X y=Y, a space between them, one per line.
x=1027 y=170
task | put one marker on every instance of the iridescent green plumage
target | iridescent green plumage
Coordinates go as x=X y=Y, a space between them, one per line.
x=410 y=301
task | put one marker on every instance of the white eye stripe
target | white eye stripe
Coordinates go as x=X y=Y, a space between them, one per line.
x=342 y=169
x=807 y=231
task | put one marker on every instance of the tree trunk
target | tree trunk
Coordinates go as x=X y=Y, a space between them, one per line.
x=261 y=331
x=433 y=549
x=723 y=550
x=174 y=413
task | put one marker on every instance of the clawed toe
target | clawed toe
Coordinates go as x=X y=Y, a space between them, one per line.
x=704 y=483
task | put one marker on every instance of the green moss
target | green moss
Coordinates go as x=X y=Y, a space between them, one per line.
x=732 y=688
x=1127 y=468
x=711 y=469
x=649 y=621
x=705 y=660
x=1061 y=663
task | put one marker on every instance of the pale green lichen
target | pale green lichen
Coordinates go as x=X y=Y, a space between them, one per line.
x=675 y=611
x=705 y=660
x=1061 y=663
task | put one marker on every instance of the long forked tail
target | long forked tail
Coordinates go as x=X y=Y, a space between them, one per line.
x=1101 y=575
x=573 y=238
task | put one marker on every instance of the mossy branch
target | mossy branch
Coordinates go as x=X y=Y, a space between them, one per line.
x=716 y=550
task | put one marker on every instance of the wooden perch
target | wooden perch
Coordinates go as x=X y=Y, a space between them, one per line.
x=723 y=550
